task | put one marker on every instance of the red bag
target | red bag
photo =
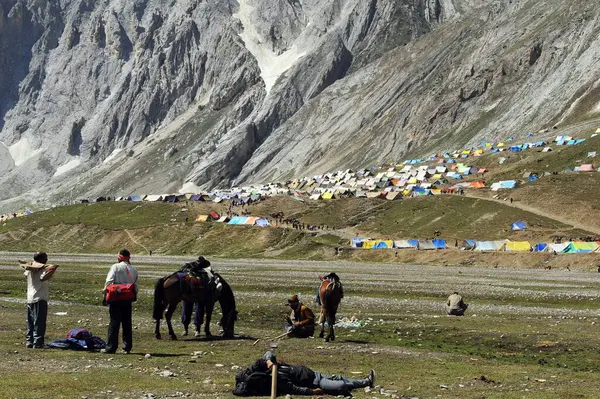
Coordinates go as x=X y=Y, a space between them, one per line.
x=120 y=292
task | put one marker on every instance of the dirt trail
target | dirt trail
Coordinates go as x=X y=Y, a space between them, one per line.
x=539 y=212
x=136 y=241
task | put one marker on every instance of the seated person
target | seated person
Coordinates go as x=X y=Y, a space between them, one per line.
x=455 y=305
x=301 y=321
x=294 y=380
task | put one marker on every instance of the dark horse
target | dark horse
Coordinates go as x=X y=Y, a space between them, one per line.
x=330 y=294
x=170 y=290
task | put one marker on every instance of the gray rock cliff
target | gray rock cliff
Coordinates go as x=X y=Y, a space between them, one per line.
x=116 y=97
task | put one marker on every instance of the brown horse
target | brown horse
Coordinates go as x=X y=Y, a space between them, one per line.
x=330 y=294
x=170 y=290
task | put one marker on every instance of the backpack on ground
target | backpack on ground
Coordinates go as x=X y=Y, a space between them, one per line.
x=252 y=383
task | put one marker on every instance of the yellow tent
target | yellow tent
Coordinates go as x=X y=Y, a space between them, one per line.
x=598 y=130
x=500 y=145
x=517 y=246
x=327 y=196
x=368 y=244
x=437 y=176
x=413 y=180
x=436 y=191
x=201 y=218
x=465 y=152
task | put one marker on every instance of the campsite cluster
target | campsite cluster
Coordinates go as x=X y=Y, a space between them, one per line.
x=570 y=247
x=441 y=173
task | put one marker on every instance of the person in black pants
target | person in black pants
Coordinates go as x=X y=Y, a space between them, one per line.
x=120 y=311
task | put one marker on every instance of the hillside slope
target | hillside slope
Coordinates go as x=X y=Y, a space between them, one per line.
x=146 y=96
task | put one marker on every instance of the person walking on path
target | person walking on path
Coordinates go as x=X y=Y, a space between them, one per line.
x=38 y=275
x=120 y=311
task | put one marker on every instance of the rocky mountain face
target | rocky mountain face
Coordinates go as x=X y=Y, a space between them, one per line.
x=114 y=97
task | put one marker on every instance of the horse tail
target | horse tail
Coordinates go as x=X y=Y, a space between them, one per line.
x=159 y=297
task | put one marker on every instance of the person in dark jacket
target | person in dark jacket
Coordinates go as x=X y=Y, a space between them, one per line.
x=296 y=380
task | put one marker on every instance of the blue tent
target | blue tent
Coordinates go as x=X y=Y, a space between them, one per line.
x=380 y=244
x=439 y=243
x=262 y=222
x=413 y=243
x=357 y=242
x=171 y=198
x=540 y=247
x=533 y=178
x=520 y=225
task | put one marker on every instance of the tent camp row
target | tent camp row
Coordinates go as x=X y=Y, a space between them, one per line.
x=483 y=246
x=235 y=220
x=214 y=197
x=400 y=244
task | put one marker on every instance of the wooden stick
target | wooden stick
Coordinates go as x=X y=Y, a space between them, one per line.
x=274 y=381
x=256 y=342
x=280 y=336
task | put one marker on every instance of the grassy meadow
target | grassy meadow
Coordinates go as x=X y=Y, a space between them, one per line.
x=527 y=332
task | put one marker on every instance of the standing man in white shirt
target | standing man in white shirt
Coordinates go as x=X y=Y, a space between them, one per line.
x=37 y=299
x=120 y=312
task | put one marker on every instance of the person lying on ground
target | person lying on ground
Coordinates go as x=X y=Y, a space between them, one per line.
x=294 y=380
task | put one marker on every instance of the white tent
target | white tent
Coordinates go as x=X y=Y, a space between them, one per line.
x=490 y=245
x=558 y=248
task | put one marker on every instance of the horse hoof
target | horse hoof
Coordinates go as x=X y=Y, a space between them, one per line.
x=158 y=336
x=321 y=335
x=332 y=338
x=326 y=339
x=173 y=337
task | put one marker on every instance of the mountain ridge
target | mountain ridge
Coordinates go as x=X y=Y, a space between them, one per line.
x=146 y=97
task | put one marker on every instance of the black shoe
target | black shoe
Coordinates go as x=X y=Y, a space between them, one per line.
x=29 y=346
x=371 y=378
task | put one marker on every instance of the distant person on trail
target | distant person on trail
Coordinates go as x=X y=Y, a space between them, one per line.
x=120 y=311
x=38 y=275
x=301 y=321
x=455 y=305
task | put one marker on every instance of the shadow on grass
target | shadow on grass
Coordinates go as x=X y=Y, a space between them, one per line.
x=164 y=354
x=355 y=341
x=242 y=337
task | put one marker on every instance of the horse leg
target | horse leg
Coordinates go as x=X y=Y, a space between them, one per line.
x=331 y=321
x=322 y=322
x=157 y=330
x=168 y=316
x=208 y=309
x=198 y=317
x=186 y=316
